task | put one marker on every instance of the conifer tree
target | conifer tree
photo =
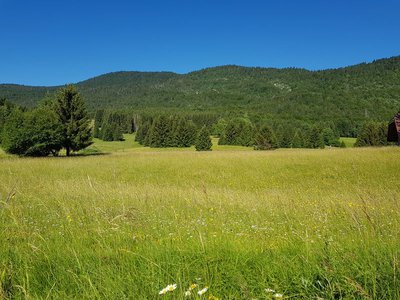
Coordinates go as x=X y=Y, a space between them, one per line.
x=372 y=134
x=203 y=142
x=71 y=111
x=219 y=127
x=160 y=135
x=117 y=132
x=298 y=140
x=142 y=132
x=265 y=139
x=185 y=133
x=316 y=139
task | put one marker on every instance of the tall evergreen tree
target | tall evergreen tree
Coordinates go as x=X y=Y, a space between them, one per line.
x=265 y=139
x=298 y=140
x=372 y=134
x=316 y=140
x=142 y=132
x=185 y=133
x=71 y=111
x=203 y=142
x=160 y=134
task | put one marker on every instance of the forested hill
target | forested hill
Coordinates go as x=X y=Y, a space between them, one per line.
x=364 y=91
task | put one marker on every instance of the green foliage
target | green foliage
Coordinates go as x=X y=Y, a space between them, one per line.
x=238 y=131
x=299 y=140
x=219 y=128
x=110 y=125
x=203 y=141
x=142 y=132
x=111 y=128
x=372 y=134
x=184 y=133
x=34 y=133
x=265 y=139
x=161 y=133
x=6 y=108
x=71 y=111
x=347 y=96
x=330 y=138
x=98 y=120
x=316 y=139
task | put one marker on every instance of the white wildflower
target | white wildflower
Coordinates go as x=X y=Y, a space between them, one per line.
x=278 y=296
x=269 y=290
x=168 y=288
x=163 y=291
x=203 y=291
x=171 y=287
x=188 y=293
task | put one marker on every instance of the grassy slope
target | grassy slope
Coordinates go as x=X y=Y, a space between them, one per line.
x=306 y=223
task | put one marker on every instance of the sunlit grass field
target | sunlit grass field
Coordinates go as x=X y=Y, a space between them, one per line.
x=124 y=225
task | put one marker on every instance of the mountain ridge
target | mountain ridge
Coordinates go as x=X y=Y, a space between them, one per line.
x=357 y=92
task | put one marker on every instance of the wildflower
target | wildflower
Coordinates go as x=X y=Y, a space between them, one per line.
x=192 y=286
x=163 y=291
x=171 y=287
x=269 y=290
x=168 y=288
x=278 y=295
x=203 y=291
x=187 y=294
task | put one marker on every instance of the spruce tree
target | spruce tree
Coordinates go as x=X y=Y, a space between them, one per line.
x=71 y=111
x=203 y=142
x=185 y=133
x=160 y=134
x=117 y=132
x=298 y=140
x=265 y=139
x=142 y=132
x=315 y=138
x=219 y=127
x=372 y=134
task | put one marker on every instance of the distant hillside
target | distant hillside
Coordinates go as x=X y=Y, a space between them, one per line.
x=368 y=90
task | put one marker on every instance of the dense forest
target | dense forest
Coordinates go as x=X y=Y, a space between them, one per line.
x=347 y=96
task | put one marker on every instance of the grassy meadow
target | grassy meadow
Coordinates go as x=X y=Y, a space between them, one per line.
x=308 y=224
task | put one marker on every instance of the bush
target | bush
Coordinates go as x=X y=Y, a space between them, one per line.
x=34 y=133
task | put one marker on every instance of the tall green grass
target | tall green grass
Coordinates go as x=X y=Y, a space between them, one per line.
x=305 y=223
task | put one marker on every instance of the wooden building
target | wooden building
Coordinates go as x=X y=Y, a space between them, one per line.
x=394 y=130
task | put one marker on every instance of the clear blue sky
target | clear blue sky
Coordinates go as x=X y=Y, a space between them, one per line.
x=56 y=42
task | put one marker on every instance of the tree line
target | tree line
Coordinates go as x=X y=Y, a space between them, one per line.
x=61 y=121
